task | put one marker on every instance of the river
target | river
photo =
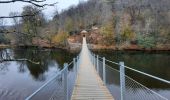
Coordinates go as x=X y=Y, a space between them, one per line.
x=156 y=63
x=18 y=79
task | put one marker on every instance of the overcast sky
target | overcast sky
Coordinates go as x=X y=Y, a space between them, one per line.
x=5 y=9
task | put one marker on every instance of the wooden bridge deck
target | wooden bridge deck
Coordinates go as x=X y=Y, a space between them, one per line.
x=89 y=85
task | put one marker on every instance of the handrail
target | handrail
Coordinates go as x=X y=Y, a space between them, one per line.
x=138 y=83
x=143 y=73
x=155 y=77
x=29 y=97
x=109 y=61
x=112 y=62
x=123 y=77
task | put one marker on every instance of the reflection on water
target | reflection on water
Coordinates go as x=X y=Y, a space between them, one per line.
x=19 y=78
x=155 y=63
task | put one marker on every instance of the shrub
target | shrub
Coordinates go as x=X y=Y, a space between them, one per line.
x=108 y=34
x=146 y=41
x=127 y=34
x=3 y=39
x=60 y=38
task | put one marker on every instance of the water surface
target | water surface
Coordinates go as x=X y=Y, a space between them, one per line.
x=18 y=79
x=154 y=63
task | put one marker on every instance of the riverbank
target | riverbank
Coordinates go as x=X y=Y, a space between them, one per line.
x=72 y=49
x=128 y=48
x=76 y=47
x=4 y=46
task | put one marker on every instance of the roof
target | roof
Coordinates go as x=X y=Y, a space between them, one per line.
x=84 y=31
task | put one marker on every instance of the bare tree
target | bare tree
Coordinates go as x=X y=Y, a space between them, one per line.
x=16 y=20
x=33 y=2
x=2 y=23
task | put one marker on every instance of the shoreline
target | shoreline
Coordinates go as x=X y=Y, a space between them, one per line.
x=108 y=49
x=4 y=46
x=78 y=49
x=41 y=47
x=127 y=48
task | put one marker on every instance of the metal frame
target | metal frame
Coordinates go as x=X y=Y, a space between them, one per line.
x=143 y=73
x=66 y=80
x=122 y=77
x=97 y=67
x=122 y=80
x=64 y=73
x=104 y=71
x=34 y=93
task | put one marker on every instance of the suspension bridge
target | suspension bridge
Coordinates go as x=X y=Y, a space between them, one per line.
x=88 y=81
x=88 y=84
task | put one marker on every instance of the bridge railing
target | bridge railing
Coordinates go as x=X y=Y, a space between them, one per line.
x=122 y=86
x=60 y=86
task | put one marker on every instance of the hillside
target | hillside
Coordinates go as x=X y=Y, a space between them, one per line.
x=129 y=24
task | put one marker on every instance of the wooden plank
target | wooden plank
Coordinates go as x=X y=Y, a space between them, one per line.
x=89 y=85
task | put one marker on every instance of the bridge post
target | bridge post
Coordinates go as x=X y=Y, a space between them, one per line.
x=94 y=60
x=104 y=71
x=91 y=56
x=77 y=62
x=66 y=81
x=122 y=80
x=74 y=64
x=98 y=63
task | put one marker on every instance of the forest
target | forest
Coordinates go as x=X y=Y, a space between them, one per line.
x=121 y=24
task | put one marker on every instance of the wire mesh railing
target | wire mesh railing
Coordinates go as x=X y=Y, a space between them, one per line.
x=60 y=86
x=120 y=85
x=135 y=90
